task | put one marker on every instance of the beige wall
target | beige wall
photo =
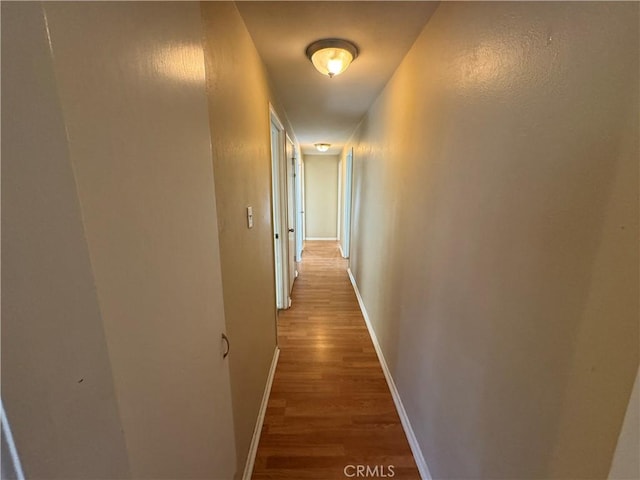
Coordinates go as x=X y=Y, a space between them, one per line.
x=321 y=195
x=133 y=129
x=57 y=383
x=140 y=125
x=495 y=235
x=239 y=97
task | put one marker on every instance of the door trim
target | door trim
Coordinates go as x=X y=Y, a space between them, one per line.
x=290 y=171
x=278 y=210
x=10 y=459
x=298 y=207
x=347 y=204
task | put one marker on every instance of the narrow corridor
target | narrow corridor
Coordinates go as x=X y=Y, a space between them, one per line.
x=164 y=162
x=330 y=408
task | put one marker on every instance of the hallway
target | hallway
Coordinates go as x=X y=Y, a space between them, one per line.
x=330 y=406
x=163 y=163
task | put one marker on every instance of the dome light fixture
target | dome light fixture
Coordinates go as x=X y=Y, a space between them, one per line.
x=332 y=56
x=322 y=147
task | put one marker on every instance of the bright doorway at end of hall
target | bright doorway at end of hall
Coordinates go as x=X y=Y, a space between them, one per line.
x=321 y=178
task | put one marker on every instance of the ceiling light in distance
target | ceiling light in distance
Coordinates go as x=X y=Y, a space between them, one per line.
x=322 y=147
x=332 y=56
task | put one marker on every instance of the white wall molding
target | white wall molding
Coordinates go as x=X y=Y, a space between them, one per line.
x=406 y=424
x=328 y=239
x=341 y=251
x=253 y=448
x=11 y=466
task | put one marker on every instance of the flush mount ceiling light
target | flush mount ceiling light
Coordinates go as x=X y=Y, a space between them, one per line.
x=322 y=147
x=332 y=56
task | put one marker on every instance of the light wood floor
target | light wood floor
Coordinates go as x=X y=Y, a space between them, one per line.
x=330 y=405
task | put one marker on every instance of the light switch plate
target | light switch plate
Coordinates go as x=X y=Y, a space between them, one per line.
x=250 y=217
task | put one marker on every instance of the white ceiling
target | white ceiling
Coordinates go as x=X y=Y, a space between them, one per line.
x=322 y=109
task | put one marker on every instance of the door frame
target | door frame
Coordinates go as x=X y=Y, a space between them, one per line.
x=303 y=206
x=278 y=210
x=348 y=188
x=290 y=217
x=298 y=205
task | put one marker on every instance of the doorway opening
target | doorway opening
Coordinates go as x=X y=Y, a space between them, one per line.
x=286 y=204
x=348 y=184
x=292 y=227
x=279 y=210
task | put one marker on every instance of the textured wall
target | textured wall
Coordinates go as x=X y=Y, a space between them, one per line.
x=57 y=384
x=495 y=235
x=131 y=83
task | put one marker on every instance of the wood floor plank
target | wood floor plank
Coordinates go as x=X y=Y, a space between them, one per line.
x=330 y=405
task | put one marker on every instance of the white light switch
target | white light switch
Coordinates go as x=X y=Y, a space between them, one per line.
x=250 y=217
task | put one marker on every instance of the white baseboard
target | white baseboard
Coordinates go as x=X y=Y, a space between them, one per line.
x=11 y=465
x=406 y=425
x=253 y=448
x=329 y=239
x=341 y=252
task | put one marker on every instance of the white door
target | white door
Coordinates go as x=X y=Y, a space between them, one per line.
x=298 y=206
x=291 y=214
x=302 y=205
x=178 y=421
x=347 y=204
x=277 y=234
x=279 y=201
